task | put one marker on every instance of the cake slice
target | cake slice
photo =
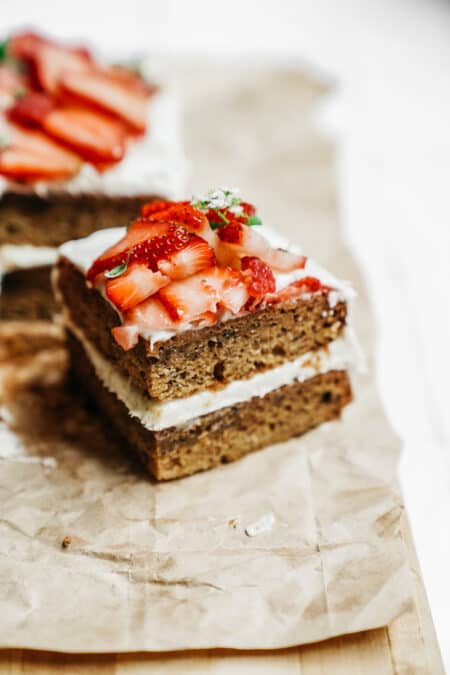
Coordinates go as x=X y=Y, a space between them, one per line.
x=83 y=144
x=200 y=338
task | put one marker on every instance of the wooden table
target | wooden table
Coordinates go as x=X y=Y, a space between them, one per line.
x=407 y=647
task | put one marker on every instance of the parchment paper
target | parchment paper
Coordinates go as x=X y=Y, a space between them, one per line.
x=167 y=567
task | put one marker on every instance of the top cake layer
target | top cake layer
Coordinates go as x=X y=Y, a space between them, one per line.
x=194 y=296
x=77 y=126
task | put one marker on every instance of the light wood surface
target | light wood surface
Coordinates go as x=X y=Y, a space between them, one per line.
x=407 y=647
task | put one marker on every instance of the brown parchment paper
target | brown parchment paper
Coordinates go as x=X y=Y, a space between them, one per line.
x=168 y=567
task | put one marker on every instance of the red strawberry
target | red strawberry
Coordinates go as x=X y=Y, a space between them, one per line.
x=24 y=45
x=237 y=240
x=33 y=156
x=196 y=256
x=93 y=136
x=97 y=89
x=188 y=300
x=190 y=218
x=31 y=109
x=151 y=242
x=131 y=80
x=51 y=61
x=156 y=206
x=126 y=336
x=150 y=315
x=11 y=81
x=134 y=286
x=258 y=277
x=295 y=289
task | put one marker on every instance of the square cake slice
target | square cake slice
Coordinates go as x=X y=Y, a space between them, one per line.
x=83 y=144
x=199 y=337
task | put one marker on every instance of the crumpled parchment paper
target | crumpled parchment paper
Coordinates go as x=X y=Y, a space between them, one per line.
x=293 y=544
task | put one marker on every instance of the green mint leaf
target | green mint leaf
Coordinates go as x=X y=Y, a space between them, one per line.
x=253 y=220
x=215 y=226
x=3 y=50
x=222 y=216
x=117 y=271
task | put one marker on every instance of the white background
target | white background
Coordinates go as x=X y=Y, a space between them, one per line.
x=392 y=121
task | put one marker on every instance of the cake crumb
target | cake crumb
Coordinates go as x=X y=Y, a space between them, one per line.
x=66 y=541
x=263 y=524
x=233 y=523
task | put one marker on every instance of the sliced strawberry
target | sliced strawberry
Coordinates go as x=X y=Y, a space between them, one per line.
x=184 y=214
x=92 y=135
x=131 y=80
x=150 y=315
x=237 y=240
x=156 y=206
x=51 y=61
x=134 y=286
x=126 y=336
x=148 y=247
x=258 y=277
x=295 y=289
x=196 y=256
x=31 y=109
x=97 y=89
x=188 y=300
x=24 y=45
x=33 y=156
x=11 y=81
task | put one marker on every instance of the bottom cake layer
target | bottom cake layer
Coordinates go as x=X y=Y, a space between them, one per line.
x=223 y=435
x=26 y=294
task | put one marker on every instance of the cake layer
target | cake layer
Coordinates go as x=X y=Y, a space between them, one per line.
x=26 y=294
x=211 y=357
x=157 y=415
x=50 y=221
x=223 y=435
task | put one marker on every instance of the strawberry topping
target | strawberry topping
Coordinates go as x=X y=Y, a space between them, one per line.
x=295 y=289
x=148 y=250
x=137 y=284
x=30 y=155
x=91 y=110
x=31 y=109
x=171 y=270
x=258 y=276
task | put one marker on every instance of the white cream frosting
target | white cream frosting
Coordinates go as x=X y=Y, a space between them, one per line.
x=155 y=164
x=83 y=252
x=340 y=354
x=25 y=256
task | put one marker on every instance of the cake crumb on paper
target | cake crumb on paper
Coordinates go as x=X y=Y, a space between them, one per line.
x=263 y=524
x=66 y=541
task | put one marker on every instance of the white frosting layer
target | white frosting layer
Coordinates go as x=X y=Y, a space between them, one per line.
x=338 y=355
x=25 y=256
x=83 y=252
x=154 y=164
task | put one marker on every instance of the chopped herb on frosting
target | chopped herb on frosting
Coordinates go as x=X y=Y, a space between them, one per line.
x=220 y=200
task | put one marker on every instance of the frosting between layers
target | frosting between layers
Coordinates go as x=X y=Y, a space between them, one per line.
x=155 y=415
x=25 y=256
x=153 y=165
x=83 y=252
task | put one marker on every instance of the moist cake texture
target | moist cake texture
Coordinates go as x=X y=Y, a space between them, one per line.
x=200 y=340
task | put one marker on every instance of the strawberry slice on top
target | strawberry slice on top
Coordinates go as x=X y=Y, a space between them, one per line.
x=134 y=286
x=31 y=156
x=96 y=89
x=95 y=137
